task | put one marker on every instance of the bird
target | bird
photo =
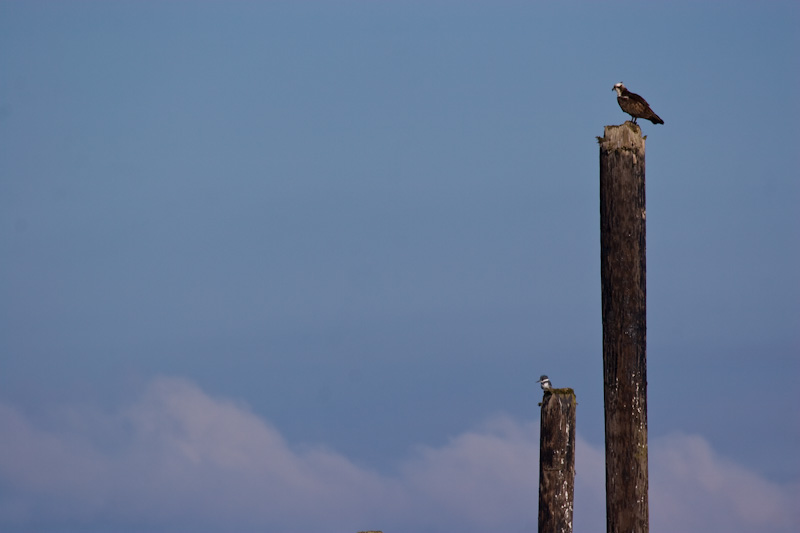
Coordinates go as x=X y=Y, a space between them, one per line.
x=545 y=382
x=635 y=105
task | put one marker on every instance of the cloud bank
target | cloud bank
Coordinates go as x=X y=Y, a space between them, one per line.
x=178 y=459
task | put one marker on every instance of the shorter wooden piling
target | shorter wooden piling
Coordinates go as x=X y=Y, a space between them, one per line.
x=557 y=461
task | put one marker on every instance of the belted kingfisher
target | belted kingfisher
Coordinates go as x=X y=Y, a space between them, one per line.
x=545 y=381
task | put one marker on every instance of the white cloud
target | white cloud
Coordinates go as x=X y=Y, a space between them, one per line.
x=486 y=480
x=693 y=489
x=180 y=459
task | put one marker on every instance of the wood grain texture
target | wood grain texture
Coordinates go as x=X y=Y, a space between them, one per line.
x=557 y=461
x=624 y=307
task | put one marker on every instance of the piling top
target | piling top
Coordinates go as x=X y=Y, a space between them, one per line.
x=567 y=391
x=627 y=136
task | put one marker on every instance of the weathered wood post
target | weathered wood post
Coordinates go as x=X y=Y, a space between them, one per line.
x=557 y=461
x=622 y=272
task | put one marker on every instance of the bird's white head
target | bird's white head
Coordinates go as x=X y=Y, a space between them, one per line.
x=619 y=87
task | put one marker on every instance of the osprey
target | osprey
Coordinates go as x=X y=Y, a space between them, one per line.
x=635 y=105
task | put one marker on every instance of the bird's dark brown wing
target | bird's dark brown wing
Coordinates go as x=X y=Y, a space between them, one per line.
x=637 y=107
x=632 y=106
x=639 y=100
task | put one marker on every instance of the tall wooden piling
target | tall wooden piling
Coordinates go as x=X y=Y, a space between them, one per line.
x=623 y=278
x=557 y=461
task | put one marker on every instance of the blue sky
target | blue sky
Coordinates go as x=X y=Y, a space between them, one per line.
x=296 y=266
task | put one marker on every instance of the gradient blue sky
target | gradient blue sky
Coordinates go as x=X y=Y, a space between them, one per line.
x=295 y=266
